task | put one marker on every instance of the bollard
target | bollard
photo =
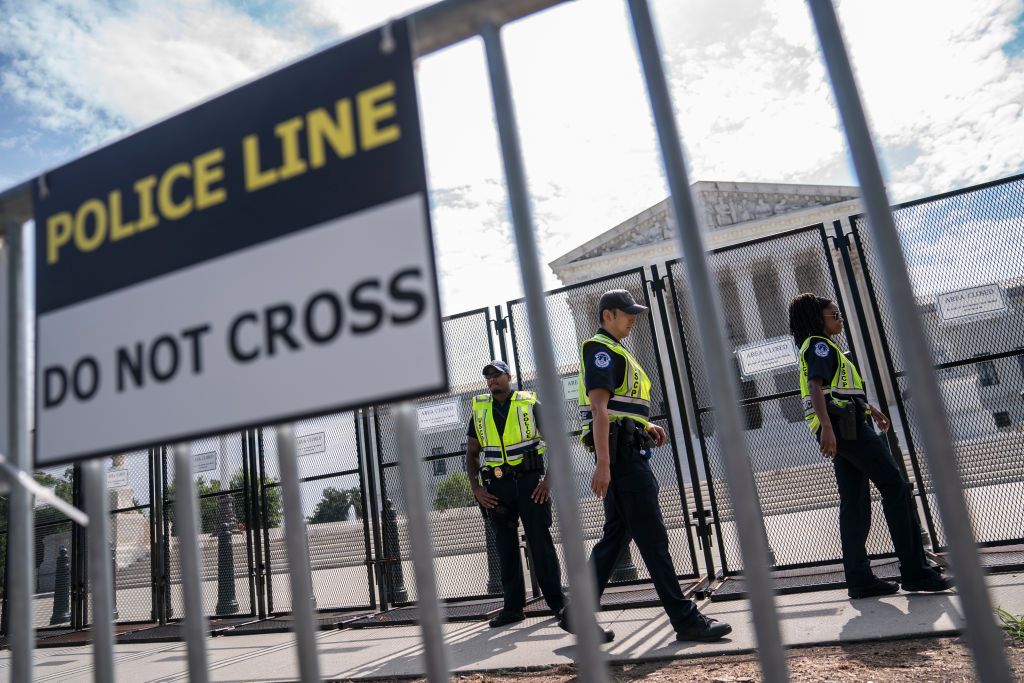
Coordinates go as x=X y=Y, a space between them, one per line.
x=113 y=578
x=226 y=601
x=493 y=562
x=394 y=578
x=62 y=590
x=625 y=568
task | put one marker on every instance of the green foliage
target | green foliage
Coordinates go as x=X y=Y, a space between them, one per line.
x=1013 y=625
x=334 y=505
x=454 y=491
x=214 y=510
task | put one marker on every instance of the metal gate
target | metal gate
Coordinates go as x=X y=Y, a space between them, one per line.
x=465 y=560
x=795 y=485
x=573 y=314
x=331 y=452
x=963 y=255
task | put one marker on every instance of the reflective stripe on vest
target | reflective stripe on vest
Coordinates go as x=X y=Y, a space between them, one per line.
x=846 y=383
x=520 y=435
x=631 y=399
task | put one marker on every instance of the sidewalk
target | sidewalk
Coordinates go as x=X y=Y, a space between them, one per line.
x=819 y=618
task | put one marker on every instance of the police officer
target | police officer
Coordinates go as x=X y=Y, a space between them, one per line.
x=614 y=399
x=838 y=415
x=504 y=429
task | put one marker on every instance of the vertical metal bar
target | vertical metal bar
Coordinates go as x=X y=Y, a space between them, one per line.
x=691 y=459
x=186 y=512
x=582 y=607
x=374 y=507
x=247 y=508
x=362 y=465
x=297 y=544
x=20 y=532
x=982 y=634
x=261 y=479
x=724 y=390
x=255 y=525
x=417 y=516
x=100 y=570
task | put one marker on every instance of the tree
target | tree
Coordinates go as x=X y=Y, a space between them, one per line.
x=212 y=510
x=454 y=491
x=334 y=505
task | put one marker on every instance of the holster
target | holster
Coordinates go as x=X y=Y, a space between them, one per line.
x=844 y=419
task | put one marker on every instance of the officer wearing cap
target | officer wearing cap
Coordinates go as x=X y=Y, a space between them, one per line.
x=504 y=429
x=615 y=404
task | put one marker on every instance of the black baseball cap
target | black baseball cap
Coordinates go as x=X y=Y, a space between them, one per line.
x=499 y=365
x=619 y=299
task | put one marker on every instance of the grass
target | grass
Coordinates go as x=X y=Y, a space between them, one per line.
x=1014 y=625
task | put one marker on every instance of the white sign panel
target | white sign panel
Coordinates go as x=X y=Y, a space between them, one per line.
x=968 y=303
x=570 y=387
x=766 y=355
x=264 y=257
x=438 y=415
x=309 y=444
x=117 y=478
x=204 y=462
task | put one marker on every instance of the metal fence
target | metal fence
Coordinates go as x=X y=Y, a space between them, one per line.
x=245 y=462
x=573 y=313
x=968 y=279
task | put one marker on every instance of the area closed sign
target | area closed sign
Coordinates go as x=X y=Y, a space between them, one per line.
x=264 y=256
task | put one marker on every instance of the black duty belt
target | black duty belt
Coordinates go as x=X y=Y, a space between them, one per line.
x=508 y=472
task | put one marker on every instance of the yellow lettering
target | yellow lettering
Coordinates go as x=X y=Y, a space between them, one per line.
x=98 y=210
x=339 y=132
x=144 y=191
x=58 y=233
x=207 y=170
x=255 y=177
x=288 y=132
x=118 y=230
x=165 y=197
x=374 y=105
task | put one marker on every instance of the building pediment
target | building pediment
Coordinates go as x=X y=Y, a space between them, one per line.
x=720 y=205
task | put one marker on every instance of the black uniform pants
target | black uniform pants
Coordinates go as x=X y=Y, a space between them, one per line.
x=867 y=458
x=514 y=503
x=632 y=511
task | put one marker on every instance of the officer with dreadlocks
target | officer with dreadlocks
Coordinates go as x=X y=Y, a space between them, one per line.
x=615 y=401
x=838 y=415
x=505 y=429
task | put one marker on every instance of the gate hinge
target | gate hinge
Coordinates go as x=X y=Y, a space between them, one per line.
x=703 y=528
x=501 y=324
x=659 y=284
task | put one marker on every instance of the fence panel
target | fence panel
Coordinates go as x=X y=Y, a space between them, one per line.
x=337 y=526
x=967 y=271
x=464 y=560
x=796 y=487
x=573 y=314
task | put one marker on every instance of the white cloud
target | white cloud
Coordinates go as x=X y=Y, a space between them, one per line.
x=746 y=77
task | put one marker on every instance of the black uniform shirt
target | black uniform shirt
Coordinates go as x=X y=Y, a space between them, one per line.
x=822 y=361
x=602 y=369
x=500 y=412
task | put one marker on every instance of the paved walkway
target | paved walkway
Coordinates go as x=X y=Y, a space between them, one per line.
x=807 y=619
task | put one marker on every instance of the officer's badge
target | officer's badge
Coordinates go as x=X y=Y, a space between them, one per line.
x=498 y=474
x=602 y=359
x=821 y=349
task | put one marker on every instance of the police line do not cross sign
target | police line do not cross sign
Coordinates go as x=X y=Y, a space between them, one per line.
x=264 y=256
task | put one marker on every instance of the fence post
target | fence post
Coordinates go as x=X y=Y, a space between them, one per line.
x=725 y=391
x=62 y=589
x=394 y=578
x=100 y=570
x=982 y=634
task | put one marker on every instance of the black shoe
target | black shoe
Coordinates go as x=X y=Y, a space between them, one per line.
x=931 y=582
x=563 y=623
x=506 y=618
x=873 y=589
x=704 y=629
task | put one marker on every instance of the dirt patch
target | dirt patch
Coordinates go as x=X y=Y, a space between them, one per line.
x=923 y=660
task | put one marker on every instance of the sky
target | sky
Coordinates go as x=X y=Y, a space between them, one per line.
x=943 y=84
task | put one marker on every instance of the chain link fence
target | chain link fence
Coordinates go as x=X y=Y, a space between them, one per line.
x=796 y=487
x=464 y=557
x=573 y=314
x=967 y=273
